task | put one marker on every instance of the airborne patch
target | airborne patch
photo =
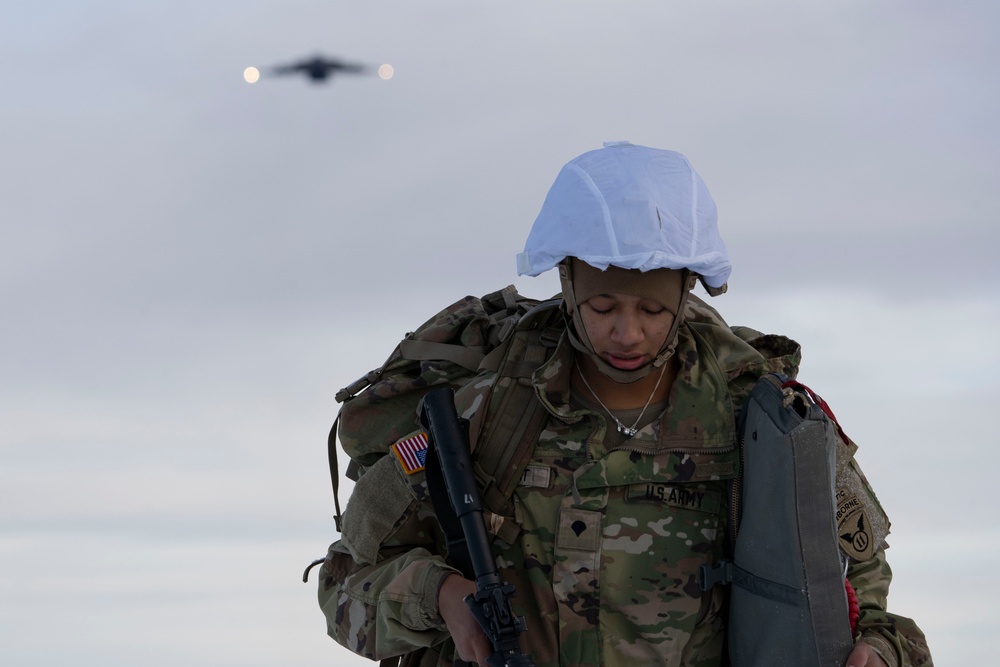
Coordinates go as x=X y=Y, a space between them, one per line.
x=854 y=528
x=412 y=452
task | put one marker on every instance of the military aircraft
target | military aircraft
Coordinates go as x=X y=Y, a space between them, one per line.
x=319 y=69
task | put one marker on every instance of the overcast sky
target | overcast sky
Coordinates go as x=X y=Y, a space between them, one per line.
x=191 y=266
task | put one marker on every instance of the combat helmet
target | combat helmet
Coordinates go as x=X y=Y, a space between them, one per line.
x=630 y=207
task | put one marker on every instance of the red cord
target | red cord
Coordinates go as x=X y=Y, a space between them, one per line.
x=853 y=607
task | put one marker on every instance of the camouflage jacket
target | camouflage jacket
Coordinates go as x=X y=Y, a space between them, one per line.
x=610 y=540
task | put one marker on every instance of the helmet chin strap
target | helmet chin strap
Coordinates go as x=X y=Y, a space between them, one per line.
x=578 y=333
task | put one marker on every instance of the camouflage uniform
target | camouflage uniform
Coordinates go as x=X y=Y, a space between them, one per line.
x=606 y=560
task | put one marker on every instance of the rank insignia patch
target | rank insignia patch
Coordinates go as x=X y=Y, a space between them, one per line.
x=412 y=453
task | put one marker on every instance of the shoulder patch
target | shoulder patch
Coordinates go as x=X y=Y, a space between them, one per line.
x=412 y=452
x=862 y=525
x=854 y=528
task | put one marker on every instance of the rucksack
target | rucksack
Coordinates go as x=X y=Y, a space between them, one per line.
x=501 y=332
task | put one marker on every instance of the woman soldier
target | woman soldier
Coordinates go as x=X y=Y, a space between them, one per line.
x=624 y=499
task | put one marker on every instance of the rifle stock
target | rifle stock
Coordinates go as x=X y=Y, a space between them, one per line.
x=449 y=440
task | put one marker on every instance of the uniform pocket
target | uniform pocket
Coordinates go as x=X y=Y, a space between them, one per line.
x=379 y=501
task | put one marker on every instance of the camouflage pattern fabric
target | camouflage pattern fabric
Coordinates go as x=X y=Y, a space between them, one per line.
x=611 y=539
x=386 y=411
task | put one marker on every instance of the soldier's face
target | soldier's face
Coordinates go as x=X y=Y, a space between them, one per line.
x=626 y=331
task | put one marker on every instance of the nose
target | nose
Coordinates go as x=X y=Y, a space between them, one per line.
x=628 y=330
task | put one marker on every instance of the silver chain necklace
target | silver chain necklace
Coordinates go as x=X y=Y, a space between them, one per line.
x=622 y=428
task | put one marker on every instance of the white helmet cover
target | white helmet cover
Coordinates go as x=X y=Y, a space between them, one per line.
x=629 y=206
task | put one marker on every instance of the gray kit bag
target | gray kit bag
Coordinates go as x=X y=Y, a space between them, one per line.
x=788 y=605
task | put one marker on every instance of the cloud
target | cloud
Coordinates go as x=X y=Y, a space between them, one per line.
x=193 y=266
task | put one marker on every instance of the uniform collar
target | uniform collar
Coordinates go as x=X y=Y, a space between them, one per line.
x=699 y=414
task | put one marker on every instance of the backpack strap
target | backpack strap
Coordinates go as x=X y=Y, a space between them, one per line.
x=498 y=358
x=468 y=358
x=514 y=416
x=331 y=452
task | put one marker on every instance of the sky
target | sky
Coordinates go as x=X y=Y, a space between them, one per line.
x=191 y=266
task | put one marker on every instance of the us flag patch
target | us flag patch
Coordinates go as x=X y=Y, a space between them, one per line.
x=412 y=452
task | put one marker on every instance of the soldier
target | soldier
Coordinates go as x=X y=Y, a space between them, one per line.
x=622 y=493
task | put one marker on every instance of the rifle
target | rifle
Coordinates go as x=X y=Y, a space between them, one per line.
x=449 y=443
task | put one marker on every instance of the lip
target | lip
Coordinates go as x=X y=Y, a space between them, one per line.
x=628 y=362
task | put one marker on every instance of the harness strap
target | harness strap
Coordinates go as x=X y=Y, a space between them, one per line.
x=727 y=572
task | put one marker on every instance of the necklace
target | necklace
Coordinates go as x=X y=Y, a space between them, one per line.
x=622 y=428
